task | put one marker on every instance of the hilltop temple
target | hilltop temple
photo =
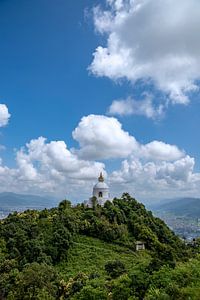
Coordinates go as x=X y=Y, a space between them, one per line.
x=100 y=192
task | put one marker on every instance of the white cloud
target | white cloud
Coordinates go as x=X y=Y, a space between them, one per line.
x=155 y=169
x=153 y=40
x=49 y=168
x=102 y=137
x=158 y=150
x=4 y=115
x=133 y=107
x=178 y=171
x=153 y=180
x=55 y=156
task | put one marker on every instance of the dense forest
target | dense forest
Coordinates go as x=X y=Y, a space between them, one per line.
x=76 y=252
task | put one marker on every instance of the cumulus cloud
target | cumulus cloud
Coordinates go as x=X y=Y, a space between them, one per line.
x=158 y=150
x=154 y=40
x=179 y=171
x=53 y=158
x=133 y=107
x=160 y=179
x=154 y=169
x=49 y=168
x=102 y=137
x=4 y=115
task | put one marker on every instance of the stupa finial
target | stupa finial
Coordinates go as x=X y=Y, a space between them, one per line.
x=101 y=178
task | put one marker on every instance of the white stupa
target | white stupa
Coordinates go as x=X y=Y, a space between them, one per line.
x=100 y=191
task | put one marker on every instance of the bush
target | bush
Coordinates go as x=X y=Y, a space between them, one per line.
x=115 y=268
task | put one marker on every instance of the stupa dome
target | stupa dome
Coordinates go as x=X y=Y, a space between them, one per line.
x=100 y=192
x=101 y=185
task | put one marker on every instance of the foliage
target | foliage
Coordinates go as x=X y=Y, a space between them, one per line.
x=91 y=293
x=115 y=268
x=35 y=281
x=89 y=253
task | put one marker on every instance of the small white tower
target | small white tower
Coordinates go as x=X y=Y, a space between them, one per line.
x=100 y=191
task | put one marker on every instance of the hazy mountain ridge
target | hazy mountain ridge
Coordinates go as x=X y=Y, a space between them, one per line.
x=189 y=207
x=11 y=201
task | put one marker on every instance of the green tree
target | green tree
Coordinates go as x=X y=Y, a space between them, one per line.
x=115 y=268
x=121 y=288
x=91 y=293
x=35 y=280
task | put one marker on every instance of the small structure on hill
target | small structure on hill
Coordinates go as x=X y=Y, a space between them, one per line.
x=140 y=245
x=100 y=193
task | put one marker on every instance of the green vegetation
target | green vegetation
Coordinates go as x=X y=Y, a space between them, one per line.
x=92 y=254
x=83 y=253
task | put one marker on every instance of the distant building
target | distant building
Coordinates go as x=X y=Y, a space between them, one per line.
x=140 y=245
x=100 y=193
x=193 y=242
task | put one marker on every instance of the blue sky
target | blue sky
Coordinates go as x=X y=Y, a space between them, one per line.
x=47 y=48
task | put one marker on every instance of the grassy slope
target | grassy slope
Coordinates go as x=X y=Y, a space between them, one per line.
x=90 y=255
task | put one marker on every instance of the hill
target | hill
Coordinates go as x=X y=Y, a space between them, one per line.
x=188 y=207
x=18 y=202
x=83 y=253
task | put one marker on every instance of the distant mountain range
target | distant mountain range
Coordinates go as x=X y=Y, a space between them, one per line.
x=11 y=201
x=188 y=207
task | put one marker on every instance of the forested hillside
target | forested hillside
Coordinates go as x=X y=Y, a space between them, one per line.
x=89 y=253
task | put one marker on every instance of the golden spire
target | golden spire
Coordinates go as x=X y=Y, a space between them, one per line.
x=101 y=178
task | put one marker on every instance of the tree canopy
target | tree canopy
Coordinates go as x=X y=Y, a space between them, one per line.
x=39 y=250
